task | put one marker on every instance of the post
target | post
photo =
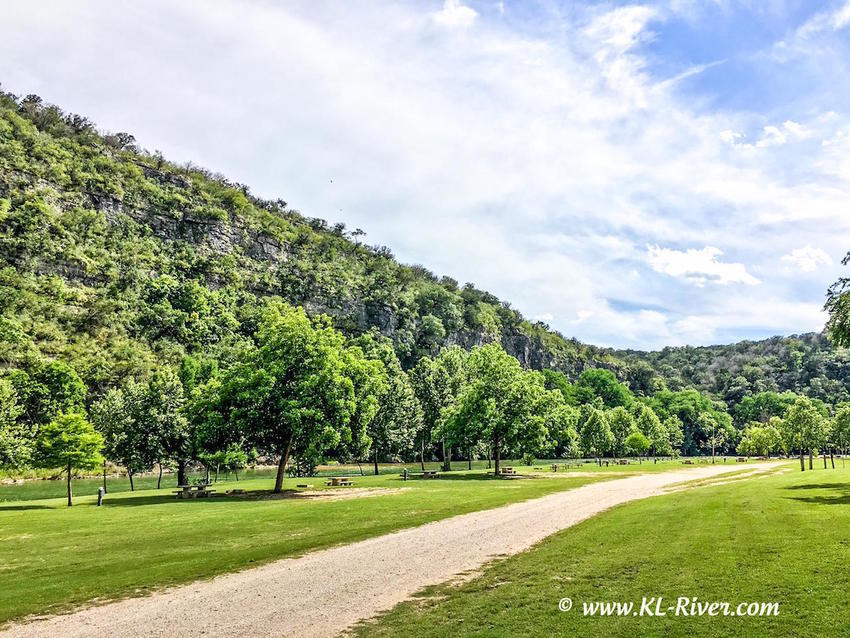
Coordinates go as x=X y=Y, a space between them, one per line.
x=69 y=483
x=100 y=492
x=104 y=476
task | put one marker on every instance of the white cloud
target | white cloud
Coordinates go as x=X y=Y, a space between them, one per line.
x=698 y=266
x=808 y=258
x=536 y=159
x=454 y=14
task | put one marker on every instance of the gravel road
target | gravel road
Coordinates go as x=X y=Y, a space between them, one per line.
x=324 y=592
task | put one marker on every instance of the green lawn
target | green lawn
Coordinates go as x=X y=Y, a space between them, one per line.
x=41 y=488
x=52 y=556
x=784 y=538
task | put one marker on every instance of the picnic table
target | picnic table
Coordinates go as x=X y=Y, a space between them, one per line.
x=742 y=459
x=624 y=462
x=430 y=474
x=687 y=462
x=193 y=491
x=339 y=481
x=507 y=470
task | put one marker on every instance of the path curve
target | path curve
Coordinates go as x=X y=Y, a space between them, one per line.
x=324 y=592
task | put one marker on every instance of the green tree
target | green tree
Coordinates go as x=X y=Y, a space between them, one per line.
x=118 y=416
x=595 y=436
x=648 y=424
x=69 y=442
x=498 y=401
x=803 y=427
x=675 y=435
x=561 y=422
x=438 y=383
x=622 y=425
x=292 y=393
x=597 y=382
x=841 y=427
x=15 y=441
x=637 y=443
x=398 y=419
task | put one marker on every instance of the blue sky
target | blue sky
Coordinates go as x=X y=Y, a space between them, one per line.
x=633 y=174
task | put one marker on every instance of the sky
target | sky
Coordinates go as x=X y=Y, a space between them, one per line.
x=633 y=175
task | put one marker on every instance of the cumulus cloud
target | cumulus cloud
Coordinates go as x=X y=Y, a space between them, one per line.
x=807 y=258
x=455 y=15
x=536 y=153
x=699 y=266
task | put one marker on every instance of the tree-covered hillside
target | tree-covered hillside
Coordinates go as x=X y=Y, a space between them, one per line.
x=806 y=364
x=114 y=260
x=196 y=323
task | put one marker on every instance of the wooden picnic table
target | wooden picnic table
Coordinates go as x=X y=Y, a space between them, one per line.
x=430 y=474
x=193 y=491
x=507 y=470
x=339 y=481
x=742 y=459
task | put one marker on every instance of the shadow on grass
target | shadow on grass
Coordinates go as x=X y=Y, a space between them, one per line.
x=840 y=493
x=11 y=507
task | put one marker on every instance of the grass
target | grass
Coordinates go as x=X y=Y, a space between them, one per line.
x=52 y=483
x=43 y=487
x=782 y=538
x=53 y=557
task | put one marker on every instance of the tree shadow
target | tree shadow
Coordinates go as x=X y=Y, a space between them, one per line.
x=11 y=507
x=840 y=493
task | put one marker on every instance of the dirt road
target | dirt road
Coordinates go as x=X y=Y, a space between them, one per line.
x=324 y=592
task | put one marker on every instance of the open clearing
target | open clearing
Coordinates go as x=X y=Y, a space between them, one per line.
x=780 y=537
x=319 y=594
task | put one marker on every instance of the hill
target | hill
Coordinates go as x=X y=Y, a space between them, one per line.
x=115 y=260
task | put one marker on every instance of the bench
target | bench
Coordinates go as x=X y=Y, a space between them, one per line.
x=339 y=481
x=192 y=491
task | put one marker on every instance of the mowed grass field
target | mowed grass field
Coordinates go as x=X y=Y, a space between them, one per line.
x=53 y=557
x=34 y=489
x=782 y=538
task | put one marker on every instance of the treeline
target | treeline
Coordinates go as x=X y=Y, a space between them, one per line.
x=808 y=364
x=302 y=393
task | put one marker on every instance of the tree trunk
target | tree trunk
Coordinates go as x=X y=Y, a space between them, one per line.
x=422 y=454
x=159 y=479
x=831 y=458
x=181 y=472
x=447 y=457
x=130 y=474
x=469 y=458
x=810 y=460
x=236 y=473
x=824 y=459
x=216 y=473
x=376 y=462
x=489 y=458
x=284 y=459
x=496 y=456
x=69 y=484
x=104 y=476
x=802 y=463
